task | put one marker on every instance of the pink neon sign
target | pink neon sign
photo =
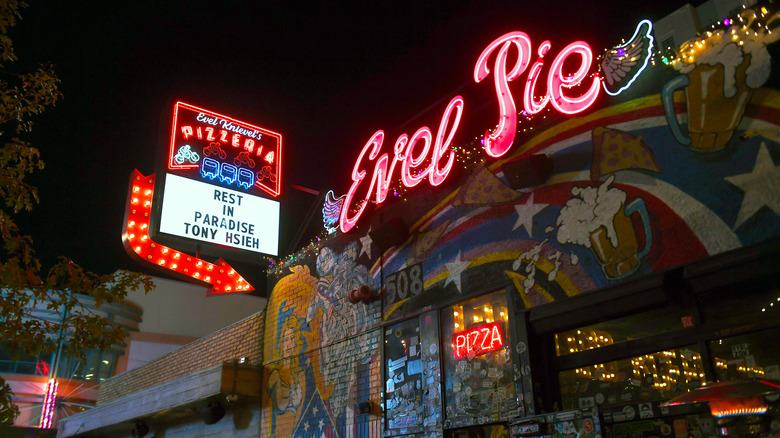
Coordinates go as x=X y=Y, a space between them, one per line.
x=422 y=155
x=417 y=159
x=498 y=142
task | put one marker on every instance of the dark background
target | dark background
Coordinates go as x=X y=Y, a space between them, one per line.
x=326 y=75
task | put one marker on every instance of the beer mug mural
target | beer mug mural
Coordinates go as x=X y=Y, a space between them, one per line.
x=720 y=71
x=600 y=219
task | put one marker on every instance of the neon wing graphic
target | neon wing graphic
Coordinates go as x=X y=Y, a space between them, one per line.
x=623 y=64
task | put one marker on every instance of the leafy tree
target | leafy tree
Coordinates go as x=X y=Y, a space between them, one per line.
x=24 y=286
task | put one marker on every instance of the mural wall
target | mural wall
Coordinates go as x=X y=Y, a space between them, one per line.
x=686 y=171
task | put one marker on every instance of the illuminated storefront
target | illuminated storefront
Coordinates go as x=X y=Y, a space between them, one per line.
x=605 y=243
x=613 y=258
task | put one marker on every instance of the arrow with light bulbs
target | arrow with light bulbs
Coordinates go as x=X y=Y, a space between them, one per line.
x=220 y=275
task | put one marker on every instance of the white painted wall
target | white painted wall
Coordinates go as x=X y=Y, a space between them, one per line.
x=183 y=309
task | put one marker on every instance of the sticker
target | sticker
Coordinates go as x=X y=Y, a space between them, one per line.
x=434 y=348
x=467 y=390
x=645 y=410
x=414 y=367
x=526 y=369
x=600 y=398
x=587 y=425
x=629 y=412
x=414 y=340
x=521 y=347
x=413 y=350
x=666 y=430
x=492 y=373
x=587 y=402
x=398 y=333
x=456 y=387
x=529 y=397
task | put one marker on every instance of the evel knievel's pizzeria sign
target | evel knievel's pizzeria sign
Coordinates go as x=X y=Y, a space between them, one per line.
x=427 y=155
x=216 y=167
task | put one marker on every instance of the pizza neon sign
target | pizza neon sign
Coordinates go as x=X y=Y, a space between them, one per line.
x=423 y=156
x=477 y=340
x=209 y=146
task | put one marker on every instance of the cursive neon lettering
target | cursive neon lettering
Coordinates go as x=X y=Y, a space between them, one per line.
x=437 y=151
x=532 y=106
x=348 y=221
x=498 y=142
x=411 y=162
x=435 y=174
x=556 y=82
x=410 y=159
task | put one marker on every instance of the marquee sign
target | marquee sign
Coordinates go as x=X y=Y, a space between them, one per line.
x=477 y=340
x=208 y=146
x=220 y=276
x=212 y=214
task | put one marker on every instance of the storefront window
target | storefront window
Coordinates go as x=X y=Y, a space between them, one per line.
x=747 y=356
x=480 y=381
x=403 y=387
x=656 y=376
x=619 y=330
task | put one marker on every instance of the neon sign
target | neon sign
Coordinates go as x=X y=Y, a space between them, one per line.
x=138 y=243
x=207 y=145
x=477 y=340
x=498 y=142
x=423 y=156
x=418 y=161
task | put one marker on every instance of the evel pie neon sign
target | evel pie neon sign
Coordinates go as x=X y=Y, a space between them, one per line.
x=424 y=156
x=477 y=340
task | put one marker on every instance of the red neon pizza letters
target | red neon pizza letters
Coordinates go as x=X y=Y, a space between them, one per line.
x=478 y=340
x=411 y=154
x=499 y=141
x=234 y=140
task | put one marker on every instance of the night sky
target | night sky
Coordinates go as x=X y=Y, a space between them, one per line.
x=324 y=76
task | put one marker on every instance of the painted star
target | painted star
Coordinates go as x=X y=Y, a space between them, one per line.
x=322 y=423
x=314 y=411
x=306 y=426
x=526 y=213
x=366 y=241
x=761 y=186
x=455 y=269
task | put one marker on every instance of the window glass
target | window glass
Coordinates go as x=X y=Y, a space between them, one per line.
x=752 y=355
x=107 y=365
x=403 y=387
x=657 y=376
x=620 y=330
x=479 y=375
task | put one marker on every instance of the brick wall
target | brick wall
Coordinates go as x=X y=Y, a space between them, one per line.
x=242 y=339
